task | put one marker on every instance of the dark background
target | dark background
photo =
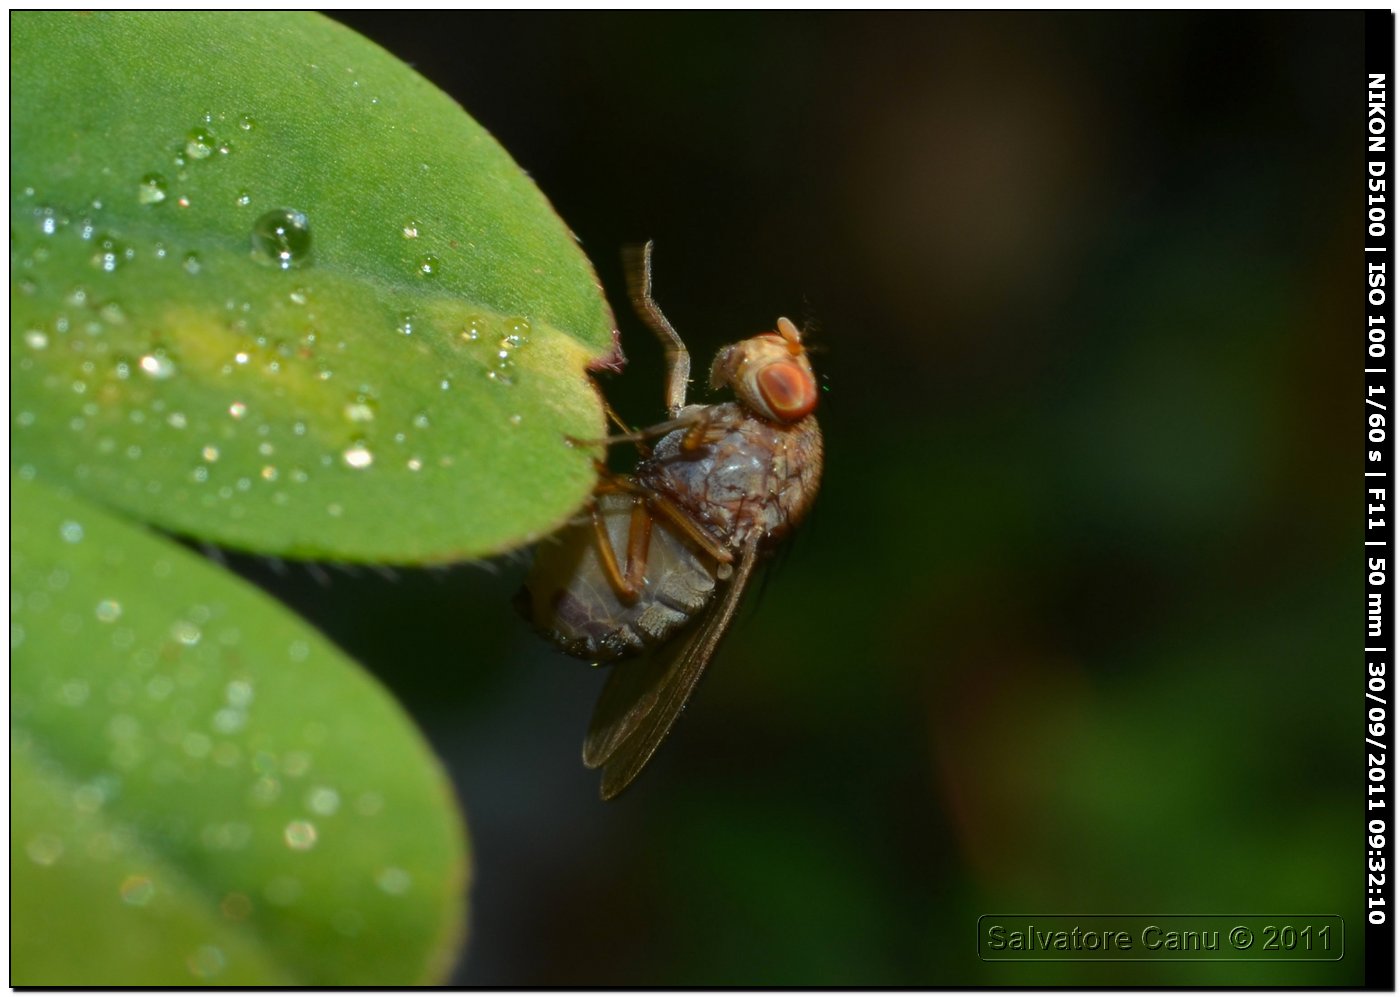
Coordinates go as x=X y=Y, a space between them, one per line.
x=1074 y=627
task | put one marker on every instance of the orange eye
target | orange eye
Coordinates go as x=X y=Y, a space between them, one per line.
x=788 y=389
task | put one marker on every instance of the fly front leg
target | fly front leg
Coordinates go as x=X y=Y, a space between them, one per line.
x=699 y=433
x=637 y=264
x=627 y=434
x=688 y=421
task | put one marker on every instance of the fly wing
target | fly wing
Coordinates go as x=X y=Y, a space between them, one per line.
x=643 y=696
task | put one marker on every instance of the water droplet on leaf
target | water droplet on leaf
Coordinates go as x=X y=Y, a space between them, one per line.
x=152 y=189
x=186 y=633
x=360 y=409
x=358 y=456
x=200 y=143
x=282 y=237
x=157 y=366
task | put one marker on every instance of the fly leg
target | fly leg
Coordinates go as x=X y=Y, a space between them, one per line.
x=646 y=433
x=662 y=506
x=637 y=263
x=696 y=423
x=627 y=585
x=699 y=432
x=628 y=433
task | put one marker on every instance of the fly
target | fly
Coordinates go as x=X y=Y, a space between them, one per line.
x=650 y=580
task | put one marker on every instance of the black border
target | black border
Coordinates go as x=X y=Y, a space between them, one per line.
x=1378 y=940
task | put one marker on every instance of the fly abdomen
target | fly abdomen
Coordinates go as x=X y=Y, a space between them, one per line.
x=568 y=596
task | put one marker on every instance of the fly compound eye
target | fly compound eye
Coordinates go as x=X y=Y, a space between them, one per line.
x=788 y=389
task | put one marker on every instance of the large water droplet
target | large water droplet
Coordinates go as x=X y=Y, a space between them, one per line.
x=152 y=189
x=247 y=122
x=410 y=230
x=282 y=237
x=358 y=456
x=200 y=143
x=429 y=266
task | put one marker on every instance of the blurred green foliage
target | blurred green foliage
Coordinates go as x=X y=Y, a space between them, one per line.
x=205 y=791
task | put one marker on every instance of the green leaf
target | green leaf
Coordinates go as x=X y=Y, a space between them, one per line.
x=206 y=780
x=400 y=392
